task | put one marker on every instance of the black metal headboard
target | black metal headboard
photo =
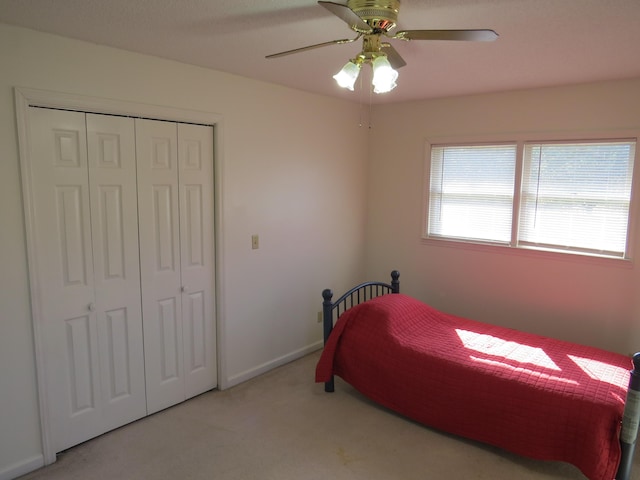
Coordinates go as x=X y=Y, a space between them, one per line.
x=358 y=294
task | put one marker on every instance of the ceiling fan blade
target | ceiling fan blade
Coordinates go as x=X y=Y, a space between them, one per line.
x=347 y=15
x=466 y=35
x=393 y=56
x=311 y=47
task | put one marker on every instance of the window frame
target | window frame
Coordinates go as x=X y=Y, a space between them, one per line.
x=520 y=140
x=428 y=190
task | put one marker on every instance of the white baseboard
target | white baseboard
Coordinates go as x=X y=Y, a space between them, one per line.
x=22 y=468
x=270 y=365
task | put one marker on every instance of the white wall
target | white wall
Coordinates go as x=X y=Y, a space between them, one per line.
x=281 y=148
x=588 y=302
x=282 y=152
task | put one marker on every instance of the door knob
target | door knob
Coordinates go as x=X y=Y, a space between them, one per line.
x=183 y=288
x=91 y=307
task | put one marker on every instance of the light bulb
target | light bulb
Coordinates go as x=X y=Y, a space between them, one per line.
x=384 y=77
x=347 y=77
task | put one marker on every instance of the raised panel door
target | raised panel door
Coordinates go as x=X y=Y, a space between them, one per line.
x=157 y=167
x=118 y=304
x=195 y=155
x=63 y=258
x=123 y=237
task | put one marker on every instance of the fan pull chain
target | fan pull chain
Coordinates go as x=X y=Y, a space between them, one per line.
x=361 y=90
x=360 y=101
x=361 y=94
x=370 y=102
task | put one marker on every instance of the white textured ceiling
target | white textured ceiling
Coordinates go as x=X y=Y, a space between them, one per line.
x=542 y=42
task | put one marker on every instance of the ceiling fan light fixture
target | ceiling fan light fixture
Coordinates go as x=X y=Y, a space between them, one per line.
x=372 y=20
x=384 y=77
x=346 y=78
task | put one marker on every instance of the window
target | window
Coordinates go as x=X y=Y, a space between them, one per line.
x=567 y=196
x=472 y=192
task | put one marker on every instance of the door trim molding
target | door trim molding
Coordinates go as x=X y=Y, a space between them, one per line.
x=26 y=98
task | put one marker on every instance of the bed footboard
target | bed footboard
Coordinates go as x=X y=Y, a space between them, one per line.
x=630 y=421
x=358 y=294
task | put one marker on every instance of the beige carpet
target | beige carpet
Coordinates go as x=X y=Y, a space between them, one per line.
x=283 y=426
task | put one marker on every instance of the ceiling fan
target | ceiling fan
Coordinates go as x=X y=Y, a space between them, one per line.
x=372 y=20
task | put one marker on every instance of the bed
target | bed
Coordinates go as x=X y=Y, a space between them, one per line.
x=529 y=394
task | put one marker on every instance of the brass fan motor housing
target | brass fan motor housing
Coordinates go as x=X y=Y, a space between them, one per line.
x=380 y=15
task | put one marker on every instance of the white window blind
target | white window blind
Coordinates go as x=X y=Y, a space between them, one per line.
x=576 y=196
x=471 y=192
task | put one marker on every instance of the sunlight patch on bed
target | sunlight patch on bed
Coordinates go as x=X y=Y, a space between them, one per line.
x=602 y=371
x=498 y=347
x=522 y=370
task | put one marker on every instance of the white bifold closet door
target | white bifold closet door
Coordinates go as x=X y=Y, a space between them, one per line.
x=175 y=201
x=121 y=235
x=86 y=238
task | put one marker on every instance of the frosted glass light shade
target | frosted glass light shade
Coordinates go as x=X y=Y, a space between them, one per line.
x=384 y=77
x=347 y=77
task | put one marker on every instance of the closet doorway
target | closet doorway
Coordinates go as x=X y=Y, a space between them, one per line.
x=120 y=231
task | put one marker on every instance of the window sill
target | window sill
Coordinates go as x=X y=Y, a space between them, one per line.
x=529 y=252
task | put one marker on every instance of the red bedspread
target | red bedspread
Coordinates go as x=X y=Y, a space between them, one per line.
x=531 y=395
